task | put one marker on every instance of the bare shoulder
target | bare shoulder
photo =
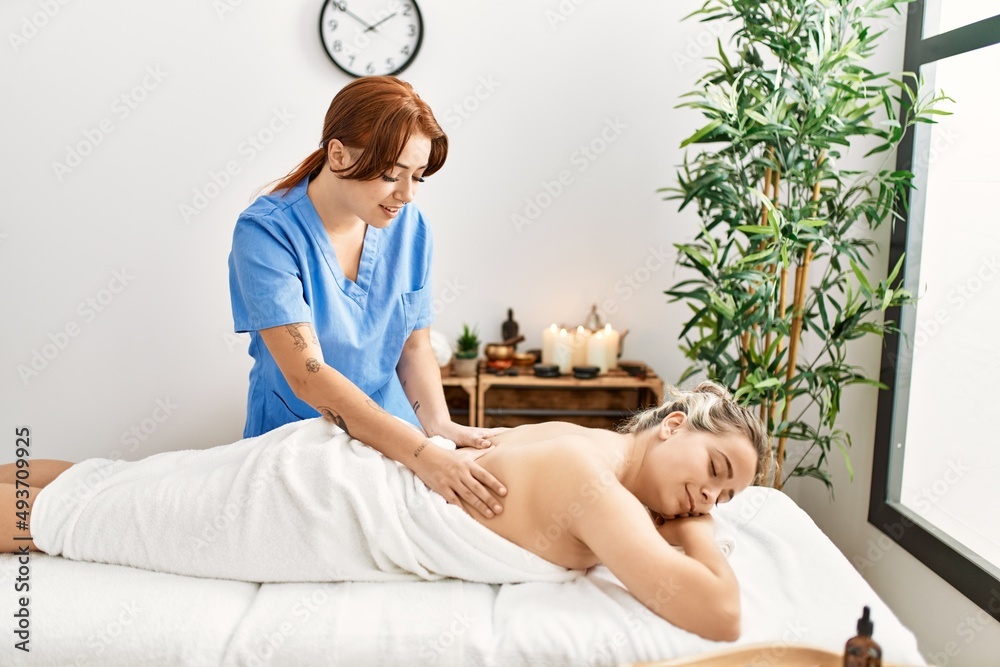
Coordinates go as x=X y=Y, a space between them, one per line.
x=538 y=432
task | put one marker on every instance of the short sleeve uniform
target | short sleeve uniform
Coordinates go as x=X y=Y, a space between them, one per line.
x=283 y=269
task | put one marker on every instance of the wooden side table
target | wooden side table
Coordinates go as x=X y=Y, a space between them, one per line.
x=505 y=400
x=467 y=385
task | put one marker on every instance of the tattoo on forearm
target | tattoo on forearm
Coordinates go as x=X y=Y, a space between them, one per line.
x=374 y=406
x=313 y=334
x=416 y=452
x=333 y=416
x=312 y=365
x=297 y=340
x=416 y=406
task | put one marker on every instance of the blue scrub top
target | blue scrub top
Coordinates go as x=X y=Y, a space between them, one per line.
x=283 y=269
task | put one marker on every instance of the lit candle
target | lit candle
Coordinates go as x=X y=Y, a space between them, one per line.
x=562 y=351
x=548 y=343
x=597 y=352
x=612 y=340
x=580 y=346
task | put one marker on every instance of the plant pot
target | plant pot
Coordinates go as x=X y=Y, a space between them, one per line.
x=466 y=368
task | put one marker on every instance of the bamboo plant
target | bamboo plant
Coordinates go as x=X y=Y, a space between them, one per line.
x=785 y=230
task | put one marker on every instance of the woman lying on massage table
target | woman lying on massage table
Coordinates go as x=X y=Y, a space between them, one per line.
x=576 y=497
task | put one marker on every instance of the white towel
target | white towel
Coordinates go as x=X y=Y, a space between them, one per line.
x=304 y=502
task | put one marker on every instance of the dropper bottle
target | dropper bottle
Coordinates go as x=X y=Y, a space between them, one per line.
x=862 y=651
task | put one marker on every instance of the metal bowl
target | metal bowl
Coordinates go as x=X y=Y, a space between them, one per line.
x=525 y=358
x=499 y=352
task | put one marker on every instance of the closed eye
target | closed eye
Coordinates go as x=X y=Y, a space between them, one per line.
x=390 y=179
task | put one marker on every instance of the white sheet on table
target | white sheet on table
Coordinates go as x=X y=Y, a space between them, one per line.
x=90 y=615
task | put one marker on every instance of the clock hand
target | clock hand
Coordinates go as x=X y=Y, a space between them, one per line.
x=342 y=6
x=372 y=27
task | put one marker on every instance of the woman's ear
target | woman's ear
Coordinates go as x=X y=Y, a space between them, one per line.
x=670 y=424
x=337 y=155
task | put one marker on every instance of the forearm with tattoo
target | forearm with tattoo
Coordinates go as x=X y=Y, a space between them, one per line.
x=333 y=416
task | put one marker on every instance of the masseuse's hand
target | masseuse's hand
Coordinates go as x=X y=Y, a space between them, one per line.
x=455 y=475
x=468 y=436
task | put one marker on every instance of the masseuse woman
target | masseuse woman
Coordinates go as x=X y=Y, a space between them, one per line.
x=329 y=273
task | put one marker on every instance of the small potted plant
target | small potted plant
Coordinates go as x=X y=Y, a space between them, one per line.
x=467 y=352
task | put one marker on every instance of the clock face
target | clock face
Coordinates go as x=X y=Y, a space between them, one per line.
x=371 y=37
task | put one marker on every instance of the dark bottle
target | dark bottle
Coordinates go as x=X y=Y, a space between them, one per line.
x=509 y=329
x=862 y=651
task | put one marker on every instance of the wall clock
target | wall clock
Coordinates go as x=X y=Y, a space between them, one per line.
x=371 y=37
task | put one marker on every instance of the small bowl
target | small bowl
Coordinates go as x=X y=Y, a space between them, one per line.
x=499 y=352
x=525 y=359
x=498 y=364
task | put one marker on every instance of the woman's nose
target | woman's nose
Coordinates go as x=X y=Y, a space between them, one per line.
x=405 y=190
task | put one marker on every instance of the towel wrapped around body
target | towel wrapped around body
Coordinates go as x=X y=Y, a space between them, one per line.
x=304 y=502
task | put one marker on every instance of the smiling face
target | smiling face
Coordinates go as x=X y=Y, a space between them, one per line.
x=377 y=202
x=687 y=471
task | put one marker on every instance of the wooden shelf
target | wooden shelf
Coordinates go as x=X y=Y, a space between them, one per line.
x=602 y=402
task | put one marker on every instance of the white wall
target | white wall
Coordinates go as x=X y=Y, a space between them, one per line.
x=519 y=94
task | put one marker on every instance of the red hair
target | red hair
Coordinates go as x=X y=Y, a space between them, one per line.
x=375 y=115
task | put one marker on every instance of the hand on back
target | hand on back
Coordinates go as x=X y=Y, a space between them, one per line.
x=455 y=475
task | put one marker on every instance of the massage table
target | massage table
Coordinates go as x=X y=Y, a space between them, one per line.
x=800 y=596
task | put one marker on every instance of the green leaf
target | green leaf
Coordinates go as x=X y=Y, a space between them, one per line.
x=895 y=270
x=763 y=199
x=757 y=117
x=756 y=229
x=756 y=257
x=865 y=285
x=869 y=382
x=711 y=127
x=726 y=309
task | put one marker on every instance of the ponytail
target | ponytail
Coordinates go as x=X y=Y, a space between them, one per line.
x=309 y=168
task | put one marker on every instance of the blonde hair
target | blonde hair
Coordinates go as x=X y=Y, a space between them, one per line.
x=710 y=407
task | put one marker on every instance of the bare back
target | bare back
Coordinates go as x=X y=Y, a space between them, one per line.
x=567 y=503
x=541 y=503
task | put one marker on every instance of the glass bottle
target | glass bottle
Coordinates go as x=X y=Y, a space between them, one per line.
x=861 y=650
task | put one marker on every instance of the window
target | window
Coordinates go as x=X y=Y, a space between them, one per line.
x=937 y=450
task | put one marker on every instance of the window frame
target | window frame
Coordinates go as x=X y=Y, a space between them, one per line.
x=969 y=577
